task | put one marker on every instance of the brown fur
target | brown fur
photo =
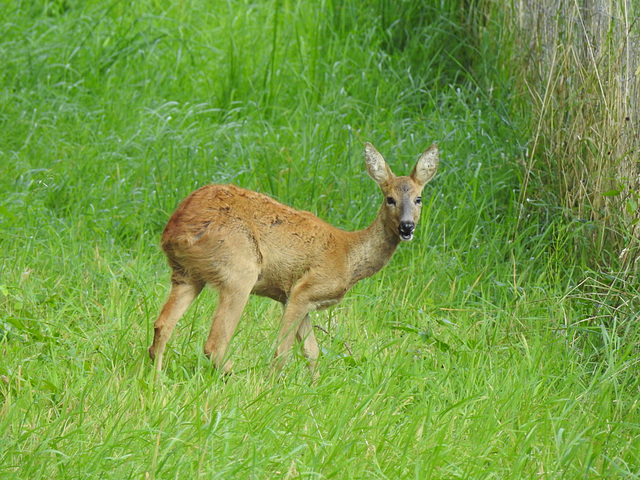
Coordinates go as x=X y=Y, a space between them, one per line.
x=242 y=242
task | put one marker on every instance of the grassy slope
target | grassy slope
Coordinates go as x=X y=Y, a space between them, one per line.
x=471 y=355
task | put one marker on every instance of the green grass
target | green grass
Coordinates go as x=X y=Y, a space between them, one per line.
x=485 y=349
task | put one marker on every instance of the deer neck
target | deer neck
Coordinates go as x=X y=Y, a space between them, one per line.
x=371 y=249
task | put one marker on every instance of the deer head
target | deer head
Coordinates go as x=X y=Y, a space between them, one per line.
x=400 y=210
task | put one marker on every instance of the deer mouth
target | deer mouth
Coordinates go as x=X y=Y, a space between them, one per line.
x=406 y=236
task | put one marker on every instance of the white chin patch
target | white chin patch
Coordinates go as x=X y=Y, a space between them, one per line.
x=406 y=238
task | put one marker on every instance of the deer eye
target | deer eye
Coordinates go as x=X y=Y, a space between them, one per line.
x=419 y=201
x=390 y=201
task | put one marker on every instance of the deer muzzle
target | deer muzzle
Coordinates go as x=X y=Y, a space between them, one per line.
x=406 y=229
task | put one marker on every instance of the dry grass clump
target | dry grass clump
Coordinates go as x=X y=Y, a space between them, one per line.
x=579 y=65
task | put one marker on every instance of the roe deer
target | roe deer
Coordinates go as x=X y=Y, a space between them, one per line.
x=243 y=242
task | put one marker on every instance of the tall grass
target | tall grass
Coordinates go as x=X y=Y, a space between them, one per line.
x=481 y=351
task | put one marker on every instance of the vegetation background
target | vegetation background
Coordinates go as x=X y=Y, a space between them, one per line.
x=502 y=342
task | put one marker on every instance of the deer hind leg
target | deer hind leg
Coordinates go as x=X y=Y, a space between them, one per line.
x=181 y=296
x=232 y=299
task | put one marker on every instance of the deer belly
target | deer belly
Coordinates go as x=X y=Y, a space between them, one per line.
x=269 y=290
x=326 y=303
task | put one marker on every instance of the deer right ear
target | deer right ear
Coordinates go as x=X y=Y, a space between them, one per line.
x=427 y=165
x=377 y=168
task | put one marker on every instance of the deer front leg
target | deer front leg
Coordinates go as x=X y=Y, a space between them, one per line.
x=294 y=316
x=309 y=344
x=313 y=291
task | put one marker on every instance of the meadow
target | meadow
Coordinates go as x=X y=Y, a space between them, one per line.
x=496 y=344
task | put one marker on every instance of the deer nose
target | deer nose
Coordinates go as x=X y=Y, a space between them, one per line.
x=405 y=229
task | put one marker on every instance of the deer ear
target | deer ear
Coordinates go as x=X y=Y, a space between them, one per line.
x=377 y=168
x=427 y=166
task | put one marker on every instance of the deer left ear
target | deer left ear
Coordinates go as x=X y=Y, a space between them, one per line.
x=427 y=166
x=377 y=168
